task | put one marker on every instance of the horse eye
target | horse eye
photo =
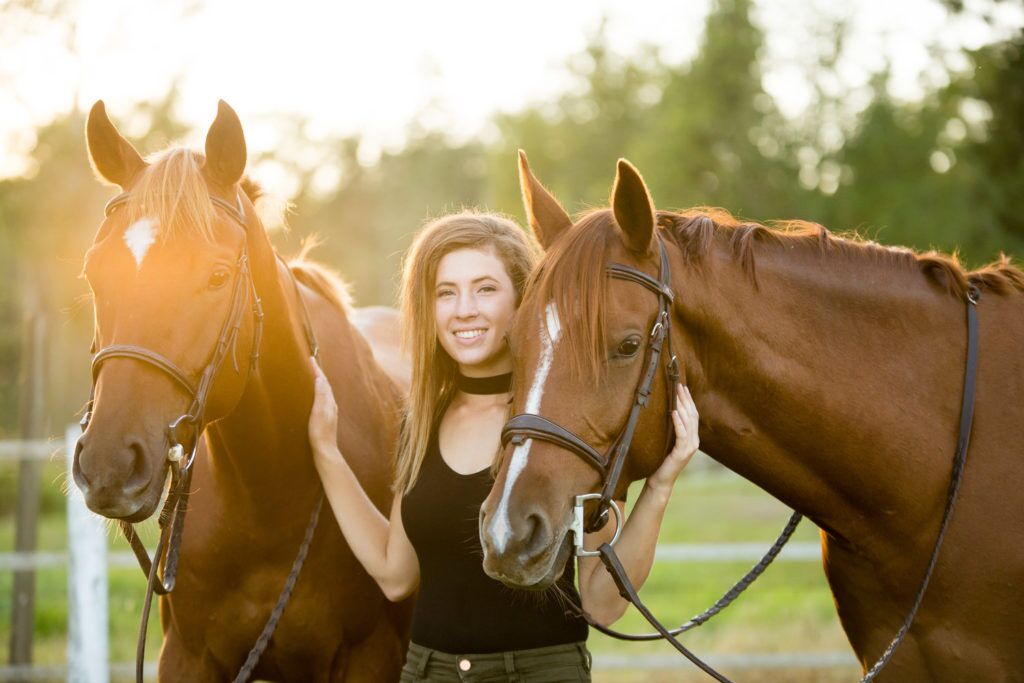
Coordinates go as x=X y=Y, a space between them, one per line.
x=218 y=279
x=629 y=347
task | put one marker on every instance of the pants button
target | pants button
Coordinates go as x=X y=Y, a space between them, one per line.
x=465 y=665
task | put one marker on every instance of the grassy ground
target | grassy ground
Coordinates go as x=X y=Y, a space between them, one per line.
x=789 y=609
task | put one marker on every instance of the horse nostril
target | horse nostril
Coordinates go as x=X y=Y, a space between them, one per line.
x=140 y=469
x=537 y=533
x=76 y=466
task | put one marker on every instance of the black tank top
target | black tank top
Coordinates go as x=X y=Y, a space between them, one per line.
x=461 y=610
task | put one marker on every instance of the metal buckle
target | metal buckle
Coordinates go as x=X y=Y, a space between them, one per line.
x=577 y=524
x=176 y=451
x=973 y=294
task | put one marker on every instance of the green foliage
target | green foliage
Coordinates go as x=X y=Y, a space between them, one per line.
x=573 y=143
x=368 y=221
x=701 y=144
x=52 y=479
x=998 y=82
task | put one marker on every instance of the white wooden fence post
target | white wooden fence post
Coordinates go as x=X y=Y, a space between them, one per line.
x=88 y=633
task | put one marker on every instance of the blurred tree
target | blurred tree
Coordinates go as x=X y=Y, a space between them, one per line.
x=573 y=142
x=909 y=173
x=45 y=219
x=997 y=84
x=704 y=141
x=901 y=182
x=368 y=220
x=701 y=133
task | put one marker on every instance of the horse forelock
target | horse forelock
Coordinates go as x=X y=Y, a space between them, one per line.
x=697 y=229
x=173 y=193
x=571 y=276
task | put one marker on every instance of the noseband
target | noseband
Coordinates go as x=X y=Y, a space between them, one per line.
x=529 y=426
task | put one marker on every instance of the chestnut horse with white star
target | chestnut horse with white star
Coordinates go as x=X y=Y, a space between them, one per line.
x=181 y=251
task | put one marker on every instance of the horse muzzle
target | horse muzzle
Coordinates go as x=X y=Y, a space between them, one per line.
x=527 y=552
x=118 y=482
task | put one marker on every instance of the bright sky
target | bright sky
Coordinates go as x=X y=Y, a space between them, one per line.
x=370 y=67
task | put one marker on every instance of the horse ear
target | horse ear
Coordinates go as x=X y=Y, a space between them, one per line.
x=547 y=218
x=225 y=148
x=112 y=157
x=633 y=208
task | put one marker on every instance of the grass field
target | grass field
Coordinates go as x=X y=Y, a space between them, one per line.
x=788 y=610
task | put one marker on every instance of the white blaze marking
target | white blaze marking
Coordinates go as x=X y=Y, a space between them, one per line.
x=140 y=237
x=501 y=527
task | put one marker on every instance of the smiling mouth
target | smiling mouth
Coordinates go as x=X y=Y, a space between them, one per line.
x=470 y=334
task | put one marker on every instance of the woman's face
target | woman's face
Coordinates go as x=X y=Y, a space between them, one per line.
x=474 y=302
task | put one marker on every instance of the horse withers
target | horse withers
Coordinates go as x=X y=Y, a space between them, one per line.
x=192 y=302
x=827 y=371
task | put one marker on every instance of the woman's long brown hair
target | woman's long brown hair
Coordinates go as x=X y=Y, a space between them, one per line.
x=433 y=370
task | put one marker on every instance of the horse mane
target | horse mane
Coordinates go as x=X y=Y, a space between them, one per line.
x=320 y=278
x=252 y=189
x=571 y=276
x=695 y=230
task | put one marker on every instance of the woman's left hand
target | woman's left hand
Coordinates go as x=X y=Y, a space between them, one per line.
x=685 y=420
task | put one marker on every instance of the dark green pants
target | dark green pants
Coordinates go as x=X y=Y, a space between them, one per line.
x=542 y=665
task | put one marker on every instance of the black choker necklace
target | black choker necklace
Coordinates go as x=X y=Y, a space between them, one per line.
x=498 y=384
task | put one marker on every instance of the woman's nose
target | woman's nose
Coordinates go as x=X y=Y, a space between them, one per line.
x=467 y=307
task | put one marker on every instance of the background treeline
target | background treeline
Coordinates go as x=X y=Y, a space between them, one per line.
x=944 y=172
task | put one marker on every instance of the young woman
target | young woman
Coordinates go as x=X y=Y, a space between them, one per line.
x=463 y=279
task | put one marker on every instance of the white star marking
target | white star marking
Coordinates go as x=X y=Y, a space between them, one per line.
x=139 y=237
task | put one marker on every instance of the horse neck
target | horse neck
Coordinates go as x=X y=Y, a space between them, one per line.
x=830 y=385
x=260 y=450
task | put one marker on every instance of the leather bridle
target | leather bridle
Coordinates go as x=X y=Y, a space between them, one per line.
x=530 y=426
x=226 y=341
x=198 y=392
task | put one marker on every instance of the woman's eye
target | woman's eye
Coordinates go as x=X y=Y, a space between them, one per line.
x=488 y=288
x=218 y=279
x=629 y=347
x=444 y=292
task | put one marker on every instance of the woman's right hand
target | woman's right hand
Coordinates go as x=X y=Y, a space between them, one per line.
x=323 y=418
x=379 y=542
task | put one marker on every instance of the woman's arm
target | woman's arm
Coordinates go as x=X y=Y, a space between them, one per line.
x=635 y=547
x=380 y=544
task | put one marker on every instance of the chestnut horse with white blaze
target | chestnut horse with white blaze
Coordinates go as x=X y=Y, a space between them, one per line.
x=827 y=371
x=163 y=268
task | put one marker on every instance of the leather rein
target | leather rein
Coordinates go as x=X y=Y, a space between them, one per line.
x=609 y=466
x=172 y=514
